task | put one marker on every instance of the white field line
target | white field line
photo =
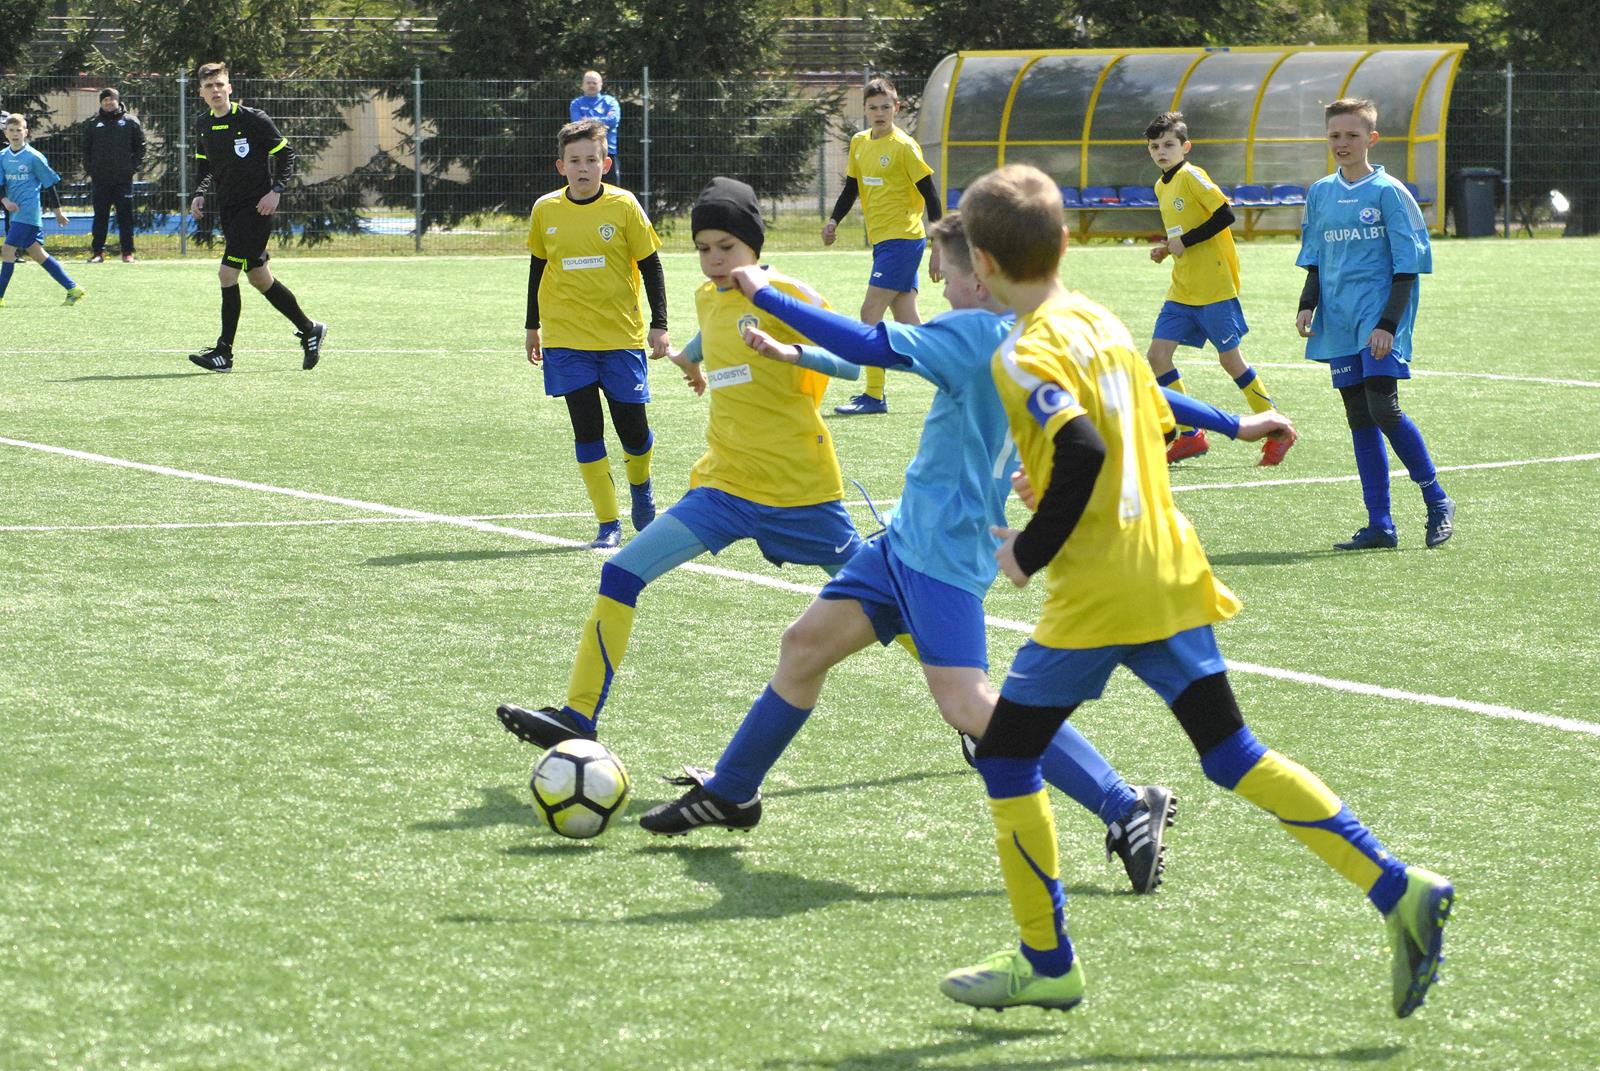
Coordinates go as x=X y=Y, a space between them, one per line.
x=1569 y=458
x=1440 y=373
x=1352 y=687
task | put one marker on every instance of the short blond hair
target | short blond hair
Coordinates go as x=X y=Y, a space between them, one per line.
x=1014 y=215
x=15 y=119
x=1360 y=107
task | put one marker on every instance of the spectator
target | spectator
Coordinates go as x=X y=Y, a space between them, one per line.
x=594 y=104
x=113 y=153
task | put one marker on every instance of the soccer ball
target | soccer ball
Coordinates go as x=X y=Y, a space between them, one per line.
x=579 y=786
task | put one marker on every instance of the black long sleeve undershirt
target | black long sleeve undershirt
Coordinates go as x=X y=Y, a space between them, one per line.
x=535 y=275
x=1219 y=221
x=650 y=272
x=846 y=201
x=50 y=197
x=851 y=190
x=1400 y=290
x=1311 y=293
x=1079 y=454
x=930 y=198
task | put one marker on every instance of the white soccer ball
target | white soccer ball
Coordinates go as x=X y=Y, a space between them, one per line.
x=579 y=786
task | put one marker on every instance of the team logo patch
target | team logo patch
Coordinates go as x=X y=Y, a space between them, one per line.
x=883 y=161
x=1177 y=204
x=241 y=147
x=746 y=322
x=1370 y=215
x=607 y=232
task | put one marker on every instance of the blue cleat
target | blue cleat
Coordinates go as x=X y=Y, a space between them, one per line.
x=1416 y=936
x=609 y=537
x=862 y=405
x=1441 y=522
x=644 y=504
x=1370 y=538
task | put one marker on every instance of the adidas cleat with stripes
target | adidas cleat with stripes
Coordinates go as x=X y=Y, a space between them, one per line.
x=218 y=358
x=1416 y=936
x=1007 y=980
x=545 y=727
x=698 y=807
x=1139 y=837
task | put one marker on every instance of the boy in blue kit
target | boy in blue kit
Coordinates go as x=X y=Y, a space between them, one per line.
x=1203 y=301
x=1363 y=243
x=26 y=181
x=1127 y=583
x=927 y=573
x=895 y=184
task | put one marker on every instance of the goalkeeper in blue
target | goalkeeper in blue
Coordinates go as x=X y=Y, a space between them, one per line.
x=1127 y=583
x=928 y=572
x=1363 y=245
x=26 y=182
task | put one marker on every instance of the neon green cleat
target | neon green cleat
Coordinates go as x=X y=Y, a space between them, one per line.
x=1007 y=980
x=75 y=295
x=1416 y=933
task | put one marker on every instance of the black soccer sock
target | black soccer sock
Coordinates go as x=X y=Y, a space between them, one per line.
x=282 y=299
x=230 y=315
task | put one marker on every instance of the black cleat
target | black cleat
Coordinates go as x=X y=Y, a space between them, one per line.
x=697 y=807
x=1370 y=538
x=1441 y=522
x=1137 y=838
x=218 y=358
x=969 y=748
x=311 y=344
x=545 y=727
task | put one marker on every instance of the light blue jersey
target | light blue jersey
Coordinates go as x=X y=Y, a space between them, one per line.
x=956 y=486
x=1359 y=236
x=26 y=173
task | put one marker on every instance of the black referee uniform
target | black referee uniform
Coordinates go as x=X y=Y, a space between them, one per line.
x=242 y=158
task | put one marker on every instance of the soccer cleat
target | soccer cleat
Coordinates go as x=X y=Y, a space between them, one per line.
x=1187 y=446
x=862 y=405
x=75 y=295
x=1370 y=538
x=311 y=344
x=609 y=537
x=644 y=504
x=1416 y=934
x=1273 y=450
x=96 y=258
x=697 y=807
x=969 y=748
x=1441 y=522
x=1007 y=980
x=2 y=302
x=218 y=358
x=545 y=727
x=1137 y=838
x=127 y=258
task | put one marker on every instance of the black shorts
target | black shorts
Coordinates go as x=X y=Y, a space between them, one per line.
x=245 y=233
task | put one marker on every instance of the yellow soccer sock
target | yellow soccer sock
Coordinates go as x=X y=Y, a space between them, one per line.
x=638 y=465
x=1173 y=380
x=1254 y=391
x=874 y=387
x=1025 y=834
x=600 y=649
x=602 y=491
x=1313 y=815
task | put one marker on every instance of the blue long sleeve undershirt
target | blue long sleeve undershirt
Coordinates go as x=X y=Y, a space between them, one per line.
x=851 y=340
x=1198 y=414
x=815 y=358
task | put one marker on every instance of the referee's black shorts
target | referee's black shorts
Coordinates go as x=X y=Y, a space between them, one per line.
x=245 y=234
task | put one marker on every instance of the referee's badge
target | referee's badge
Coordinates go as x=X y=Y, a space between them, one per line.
x=241 y=147
x=607 y=232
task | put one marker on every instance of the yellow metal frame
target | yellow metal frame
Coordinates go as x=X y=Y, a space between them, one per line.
x=1449 y=62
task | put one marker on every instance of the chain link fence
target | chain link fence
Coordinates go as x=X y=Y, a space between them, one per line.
x=368 y=185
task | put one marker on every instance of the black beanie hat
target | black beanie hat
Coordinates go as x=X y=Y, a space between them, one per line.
x=729 y=205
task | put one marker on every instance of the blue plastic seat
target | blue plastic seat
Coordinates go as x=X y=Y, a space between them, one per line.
x=1099 y=195
x=952 y=200
x=1138 y=196
x=1069 y=198
x=1287 y=193
x=1416 y=194
x=1251 y=195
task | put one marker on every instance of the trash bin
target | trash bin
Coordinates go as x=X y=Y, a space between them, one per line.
x=1476 y=189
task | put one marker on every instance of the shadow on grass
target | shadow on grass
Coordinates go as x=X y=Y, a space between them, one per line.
x=424 y=556
x=878 y=782
x=1274 y=557
x=173 y=375
x=499 y=807
x=976 y=1036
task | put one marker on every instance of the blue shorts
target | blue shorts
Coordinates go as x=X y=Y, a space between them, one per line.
x=621 y=373
x=895 y=263
x=23 y=235
x=803 y=535
x=945 y=622
x=1220 y=323
x=1349 y=371
x=1043 y=676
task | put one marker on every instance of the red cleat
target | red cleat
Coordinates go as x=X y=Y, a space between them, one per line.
x=1187 y=446
x=1272 y=450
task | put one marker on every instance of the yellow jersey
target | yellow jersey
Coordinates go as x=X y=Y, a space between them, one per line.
x=767 y=441
x=1210 y=271
x=887 y=171
x=1133 y=570
x=589 y=294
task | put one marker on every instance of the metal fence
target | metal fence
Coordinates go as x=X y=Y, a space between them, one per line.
x=369 y=185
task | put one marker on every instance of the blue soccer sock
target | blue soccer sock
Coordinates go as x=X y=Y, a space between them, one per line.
x=1072 y=765
x=1372 y=465
x=58 y=273
x=1406 y=439
x=5 y=276
x=763 y=735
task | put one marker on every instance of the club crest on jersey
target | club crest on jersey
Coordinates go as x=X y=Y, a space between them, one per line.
x=747 y=321
x=607 y=232
x=883 y=161
x=1370 y=215
x=1177 y=204
x=241 y=147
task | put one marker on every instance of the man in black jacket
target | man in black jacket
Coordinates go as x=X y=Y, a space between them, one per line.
x=113 y=152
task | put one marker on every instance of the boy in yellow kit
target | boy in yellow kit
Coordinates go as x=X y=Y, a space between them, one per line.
x=591 y=247
x=1203 y=302
x=1127 y=584
x=895 y=184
